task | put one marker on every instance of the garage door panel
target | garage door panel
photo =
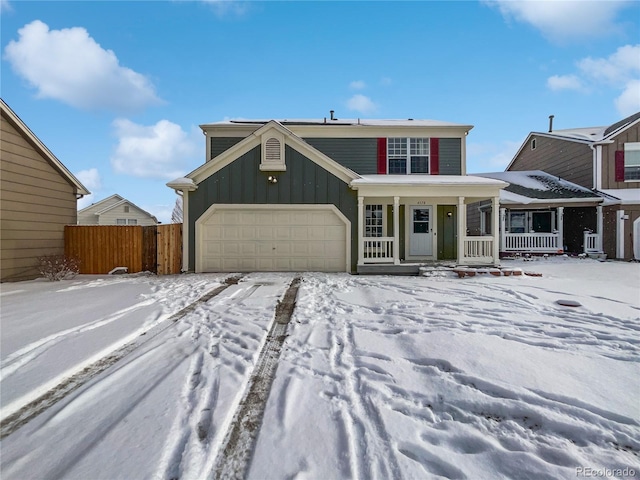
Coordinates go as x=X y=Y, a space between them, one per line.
x=274 y=239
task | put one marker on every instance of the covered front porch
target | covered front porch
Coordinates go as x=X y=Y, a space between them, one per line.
x=408 y=221
x=551 y=230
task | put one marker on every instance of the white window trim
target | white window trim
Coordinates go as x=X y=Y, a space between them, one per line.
x=630 y=147
x=407 y=157
x=382 y=219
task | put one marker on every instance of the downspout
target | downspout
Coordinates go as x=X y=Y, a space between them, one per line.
x=597 y=166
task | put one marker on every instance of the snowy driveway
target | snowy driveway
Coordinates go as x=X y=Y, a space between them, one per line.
x=380 y=377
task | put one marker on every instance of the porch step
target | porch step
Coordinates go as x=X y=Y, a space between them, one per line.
x=389 y=269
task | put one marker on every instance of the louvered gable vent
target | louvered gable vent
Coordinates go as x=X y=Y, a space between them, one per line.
x=272 y=152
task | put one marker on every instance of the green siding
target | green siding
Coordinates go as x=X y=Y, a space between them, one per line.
x=450 y=156
x=304 y=182
x=221 y=144
x=357 y=154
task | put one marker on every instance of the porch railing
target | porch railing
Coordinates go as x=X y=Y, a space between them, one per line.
x=478 y=249
x=531 y=242
x=378 y=249
x=592 y=243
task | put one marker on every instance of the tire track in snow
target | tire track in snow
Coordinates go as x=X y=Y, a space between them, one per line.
x=234 y=456
x=34 y=408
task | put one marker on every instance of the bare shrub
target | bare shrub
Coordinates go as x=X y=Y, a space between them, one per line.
x=58 y=267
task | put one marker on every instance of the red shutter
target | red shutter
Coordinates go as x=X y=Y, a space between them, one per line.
x=619 y=165
x=382 y=156
x=434 y=155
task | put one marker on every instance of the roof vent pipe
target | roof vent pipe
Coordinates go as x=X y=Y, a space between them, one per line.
x=550 y=123
x=331 y=112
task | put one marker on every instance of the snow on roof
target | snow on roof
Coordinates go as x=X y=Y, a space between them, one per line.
x=410 y=122
x=625 y=195
x=590 y=134
x=426 y=180
x=536 y=184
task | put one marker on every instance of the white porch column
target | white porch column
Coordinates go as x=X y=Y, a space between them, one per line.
x=503 y=228
x=396 y=230
x=560 y=222
x=185 y=230
x=495 y=229
x=462 y=228
x=360 y=230
x=620 y=234
x=600 y=227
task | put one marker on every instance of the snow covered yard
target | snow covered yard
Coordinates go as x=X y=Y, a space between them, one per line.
x=380 y=377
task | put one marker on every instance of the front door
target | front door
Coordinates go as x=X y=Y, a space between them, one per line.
x=420 y=236
x=447 y=232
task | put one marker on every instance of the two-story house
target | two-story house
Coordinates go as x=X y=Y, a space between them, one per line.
x=38 y=198
x=603 y=159
x=115 y=210
x=332 y=195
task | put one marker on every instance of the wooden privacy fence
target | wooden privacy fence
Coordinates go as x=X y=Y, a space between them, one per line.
x=101 y=248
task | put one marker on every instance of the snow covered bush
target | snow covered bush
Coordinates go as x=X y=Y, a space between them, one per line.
x=58 y=267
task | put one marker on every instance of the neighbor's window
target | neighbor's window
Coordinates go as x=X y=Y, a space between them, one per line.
x=533 y=144
x=373 y=221
x=121 y=221
x=407 y=155
x=632 y=161
x=132 y=221
x=126 y=209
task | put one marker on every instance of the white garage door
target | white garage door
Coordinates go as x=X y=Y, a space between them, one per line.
x=234 y=238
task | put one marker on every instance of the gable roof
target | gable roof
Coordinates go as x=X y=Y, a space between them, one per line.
x=536 y=186
x=41 y=148
x=105 y=201
x=585 y=135
x=120 y=201
x=254 y=139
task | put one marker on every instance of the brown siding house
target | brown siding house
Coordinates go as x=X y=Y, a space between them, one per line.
x=605 y=159
x=37 y=199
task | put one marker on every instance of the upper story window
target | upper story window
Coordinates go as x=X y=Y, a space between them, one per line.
x=632 y=161
x=126 y=209
x=407 y=155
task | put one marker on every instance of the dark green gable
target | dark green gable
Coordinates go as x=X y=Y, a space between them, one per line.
x=304 y=182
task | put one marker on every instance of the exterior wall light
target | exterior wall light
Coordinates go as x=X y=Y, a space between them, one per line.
x=272 y=179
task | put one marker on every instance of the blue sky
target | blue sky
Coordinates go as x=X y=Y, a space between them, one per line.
x=117 y=90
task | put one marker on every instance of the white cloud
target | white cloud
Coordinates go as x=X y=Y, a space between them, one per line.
x=564 y=82
x=619 y=71
x=564 y=20
x=362 y=104
x=227 y=7
x=68 y=65
x=5 y=6
x=629 y=102
x=618 y=68
x=91 y=179
x=162 y=150
x=357 y=85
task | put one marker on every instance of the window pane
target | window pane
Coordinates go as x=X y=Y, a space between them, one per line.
x=397 y=166
x=373 y=221
x=121 y=221
x=419 y=164
x=419 y=146
x=132 y=221
x=397 y=147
